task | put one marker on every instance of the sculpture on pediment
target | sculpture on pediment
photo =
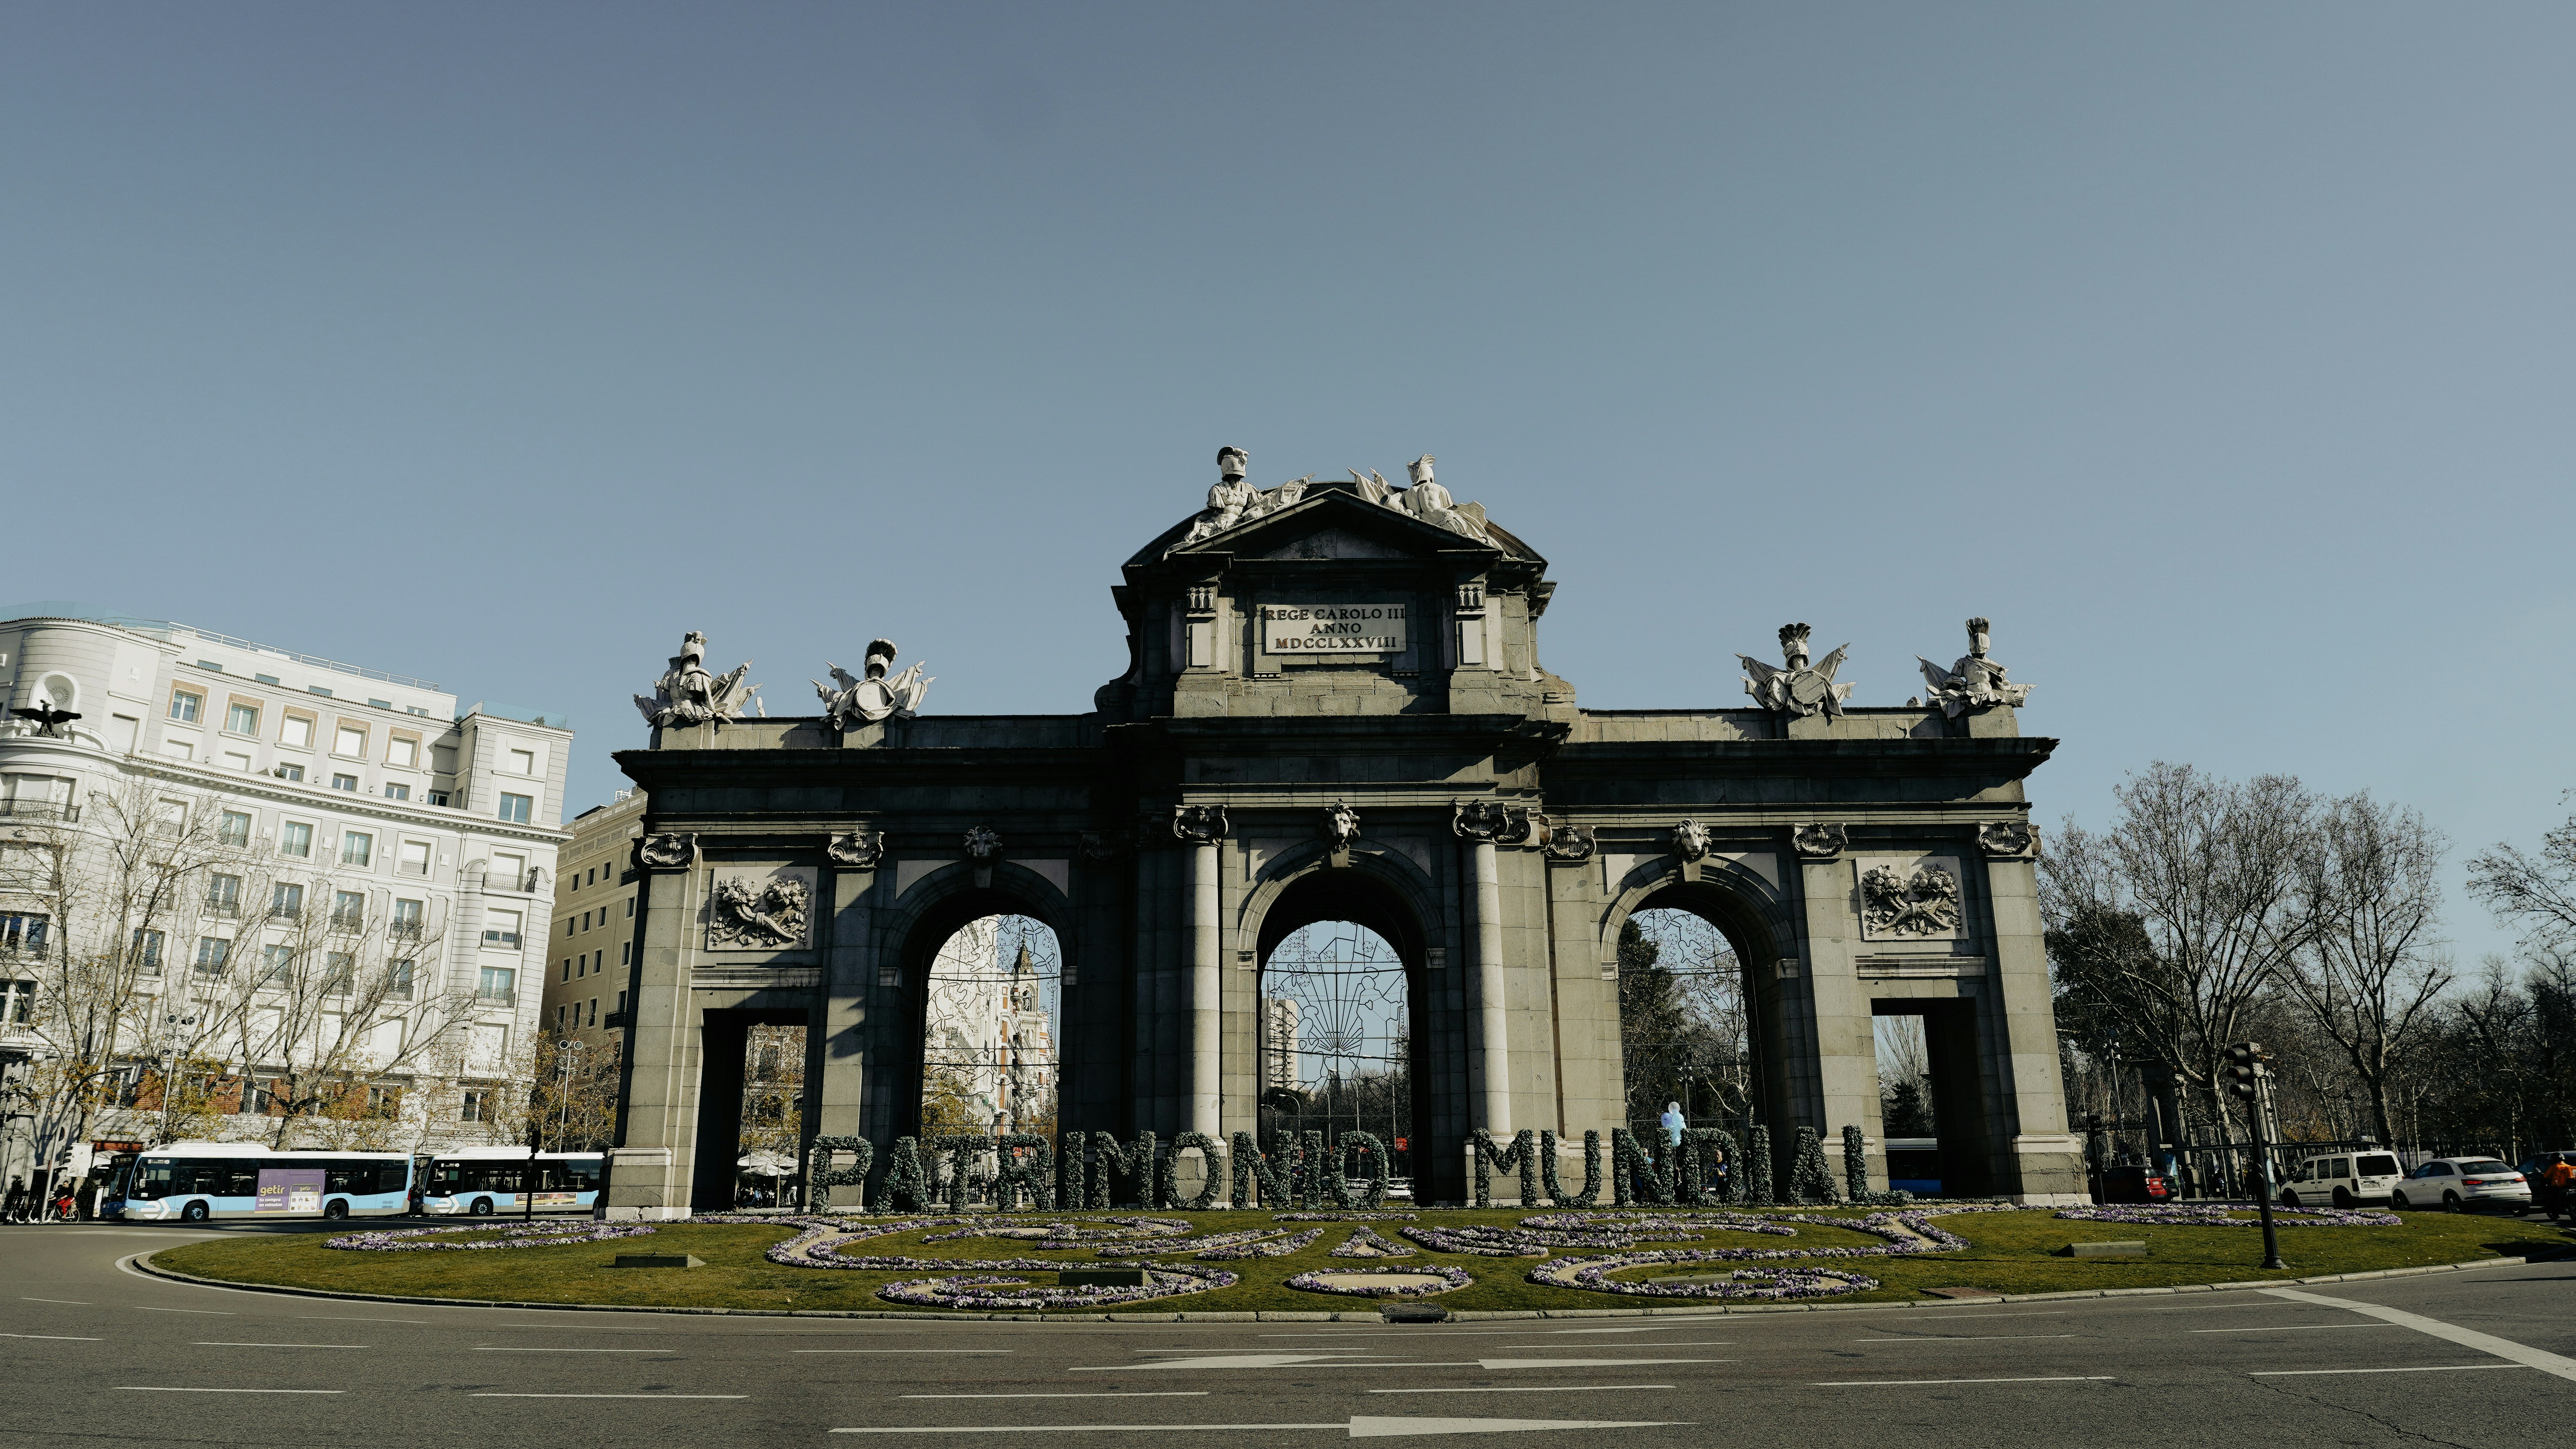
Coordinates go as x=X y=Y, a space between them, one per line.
x=1199 y=824
x=742 y=916
x=1690 y=840
x=1431 y=503
x=1799 y=689
x=1234 y=501
x=1341 y=825
x=1975 y=682
x=1516 y=827
x=689 y=693
x=1816 y=841
x=50 y=721
x=2008 y=839
x=1481 y=820
x=856 y=849
x=1921 y=902
x=666 y=852
x=875 y=697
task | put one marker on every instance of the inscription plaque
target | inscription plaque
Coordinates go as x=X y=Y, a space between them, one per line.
x=1315 y=629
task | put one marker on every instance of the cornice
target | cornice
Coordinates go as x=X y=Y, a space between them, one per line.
x=276 y=792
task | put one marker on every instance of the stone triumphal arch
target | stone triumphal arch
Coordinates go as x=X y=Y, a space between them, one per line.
x=1335 y=709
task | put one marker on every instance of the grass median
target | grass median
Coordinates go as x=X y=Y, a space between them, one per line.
x=2009 y=1252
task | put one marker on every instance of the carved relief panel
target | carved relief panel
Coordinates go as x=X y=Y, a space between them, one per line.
x=751 y=909
x=1912 y=897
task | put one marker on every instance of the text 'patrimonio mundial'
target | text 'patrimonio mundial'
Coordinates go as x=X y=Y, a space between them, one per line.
x=1332 y=628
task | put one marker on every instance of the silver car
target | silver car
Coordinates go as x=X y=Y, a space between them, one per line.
x=2462 y=1185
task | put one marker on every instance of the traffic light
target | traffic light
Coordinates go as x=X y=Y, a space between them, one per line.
x=2245 y=1068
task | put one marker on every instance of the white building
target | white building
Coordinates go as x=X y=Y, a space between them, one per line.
x=316 y=889
x=988 y=1029
x=1279 y=1044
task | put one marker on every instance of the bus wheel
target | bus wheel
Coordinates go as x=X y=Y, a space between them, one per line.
x=482 y=1207
x=194 y=1212
x=335 y=1209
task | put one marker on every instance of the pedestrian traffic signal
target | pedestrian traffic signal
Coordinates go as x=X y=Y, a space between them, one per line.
x=2245 y=1068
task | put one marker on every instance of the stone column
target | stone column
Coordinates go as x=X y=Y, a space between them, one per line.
x=1202 y=826
x=650 y=1178
x=1205 y=1013
x=1494 y=1050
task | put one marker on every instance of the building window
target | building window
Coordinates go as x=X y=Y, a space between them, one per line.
x=413 y=859
x=350 y=741
x=274 y=964
x=517 y=808
x=22 y=934
x=170 y=819
x=630 y=907
x=402 y=752
x=242 y=719
x=380 y=703
x=286 y=902
x=509 y=871
x=477 y=1105
x=397 y=792
x=501 y=928
x=295 y=838
x=185 y=707
x=213 y=954
x=498 y=984
x=17 y=1002
x=522 y=762
x=559 y=1017
x=625 y=953
x=567 y=968
x=223 y=895
x=339 y=973
x=297 y=731
x=594 y=1012
x=443 y=797
x=233 y=829
x=348 y=910
x=400 y=973
x=291 y=772
x=317 y=689
x=265 y=678
x=621 y=1003
x=147 y=951
x=357 y=848
x=345 y=782
x=405 y=924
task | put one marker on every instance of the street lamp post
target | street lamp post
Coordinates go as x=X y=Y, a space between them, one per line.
x=170 y=1074
x=2248 y=1077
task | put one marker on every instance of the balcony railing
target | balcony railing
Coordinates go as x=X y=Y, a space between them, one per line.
x=496 y=996
x=402 y=930
x=349 y=921
x=40 y=810
x=613 y=1021
x=228 y=909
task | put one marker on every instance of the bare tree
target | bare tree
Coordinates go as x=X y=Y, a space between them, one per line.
x=2372 y=967
x=2536 y=892
x=2209 y=873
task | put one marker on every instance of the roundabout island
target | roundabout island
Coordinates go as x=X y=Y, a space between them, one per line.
x=1468 y=1261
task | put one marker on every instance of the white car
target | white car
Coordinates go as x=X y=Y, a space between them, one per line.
x=2463 y=1184
x=2344 y=1180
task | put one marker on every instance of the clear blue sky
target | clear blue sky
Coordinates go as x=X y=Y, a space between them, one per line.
x=2220 y=353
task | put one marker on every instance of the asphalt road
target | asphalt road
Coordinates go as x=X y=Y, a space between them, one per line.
x=98 y=1353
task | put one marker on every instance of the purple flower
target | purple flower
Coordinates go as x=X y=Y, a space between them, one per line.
x=1450 y=1278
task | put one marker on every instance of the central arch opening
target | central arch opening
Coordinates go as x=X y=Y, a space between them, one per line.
x=991 y=1001
x=1339 y=1021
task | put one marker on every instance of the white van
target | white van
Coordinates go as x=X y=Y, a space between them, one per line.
x=2343 y=1180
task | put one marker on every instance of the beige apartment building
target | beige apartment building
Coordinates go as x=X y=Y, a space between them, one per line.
x=591 y=940
x=293 y=887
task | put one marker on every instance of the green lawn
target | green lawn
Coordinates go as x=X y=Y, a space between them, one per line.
x=2011 y=1252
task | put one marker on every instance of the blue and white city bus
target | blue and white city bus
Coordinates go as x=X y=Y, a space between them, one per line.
x=479 y=1181
x=195 y=1181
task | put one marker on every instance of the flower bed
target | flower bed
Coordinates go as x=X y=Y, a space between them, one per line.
x=2218 y=1215
x=1365 y=1243
x=987 y=1291
x=1345 y=1217
x=1763 y=1284
x=526 y=1235
x=1411 y=1284
x=1265 y=1248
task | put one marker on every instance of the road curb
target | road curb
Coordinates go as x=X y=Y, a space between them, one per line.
x=143 y=1263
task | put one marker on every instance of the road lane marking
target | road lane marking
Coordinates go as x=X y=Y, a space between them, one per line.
x=209 y=1312
x=75 y=1302
x=226 y=1343
x=608 y=1396
x=2294 y=1327
x=910 y=1350
x=159 y=1389
x=514 y=1348
x=2437 y=1368
x=1411 y=1333
x=1917 y=1383
x=1549 y=1389
x=1135 y=1394
x=1685 y=1343
x=1360 y=1426
x=64 y=1337
x=1963 y=1338
x=2036 y=1313
x=2505 y=1348
x=341 y=1318
x=1531 y=1363
x=1261 y=1360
